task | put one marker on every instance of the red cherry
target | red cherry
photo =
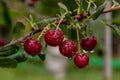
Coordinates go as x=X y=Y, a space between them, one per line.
x=53 y=37
x=2 y=42
x=32 y=46
x=89 y=44
x=81 y=60
x=68 y=48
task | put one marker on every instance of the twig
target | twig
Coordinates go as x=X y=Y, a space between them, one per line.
x=111 y=9
x=20 y=39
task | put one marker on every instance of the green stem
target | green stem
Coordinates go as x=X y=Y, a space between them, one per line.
x=80 y=6
x=79 y=10
x=42 y=32
x=86 y=30
x=89 y=4
x=61 y=19
x=78 y=39
x=59 y=22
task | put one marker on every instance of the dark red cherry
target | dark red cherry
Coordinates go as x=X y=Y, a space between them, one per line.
x=81 y=60
x=32 y=46
x=89 y=44
x=53 y=37
x=68 y=48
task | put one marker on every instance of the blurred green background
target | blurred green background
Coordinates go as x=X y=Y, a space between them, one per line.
x=34 y=69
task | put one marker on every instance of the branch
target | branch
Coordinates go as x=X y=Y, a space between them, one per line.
x=82 y=16
x=78 y=16
x=20 y=39
x=111 y=9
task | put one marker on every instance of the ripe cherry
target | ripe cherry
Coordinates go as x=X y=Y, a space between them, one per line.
x=32 y=46
x=2 y=42
x=53 y=37
x=89 y=44
x=68 y=48
x=81 y=60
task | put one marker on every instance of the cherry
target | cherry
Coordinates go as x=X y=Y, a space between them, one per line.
x=32 y=46
x=2 y=42
x=89 y=44
x=68 y=48
x=81 y=60
x=53 y=37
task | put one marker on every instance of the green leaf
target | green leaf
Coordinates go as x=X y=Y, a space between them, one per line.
x=42 y=56
x=78 y=2
x=69 y=32
x=61 y=5
x=115 y=28
x=6 y=14
x=7 y=51
x=20 y=58
x=98 y=12
x=8 y=63
x=18 y=29
x=44 y=22
x=31 y=18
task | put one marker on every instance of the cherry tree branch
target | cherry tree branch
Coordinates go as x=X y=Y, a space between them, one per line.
x=78 y=16
x=20 y=39
x=111 y=9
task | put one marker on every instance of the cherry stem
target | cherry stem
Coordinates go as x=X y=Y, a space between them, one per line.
x=89 y=4
x=42 y=32
x=78 y=40
x=61 y=19
x=87 y=30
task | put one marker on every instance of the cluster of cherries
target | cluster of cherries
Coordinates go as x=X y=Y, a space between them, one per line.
x=31 y=3
x=67 y=48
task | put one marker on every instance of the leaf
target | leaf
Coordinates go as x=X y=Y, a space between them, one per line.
x=8 y=63
x=6 y=14
x=7 y=51
x=42 y=56
x=69 y=32
x=78 y=2
x=20 y=58
x=61 y=5
x=44 y=22
x=98 y=12
x=115 y=28
x=18 y=29
x=31 y=18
